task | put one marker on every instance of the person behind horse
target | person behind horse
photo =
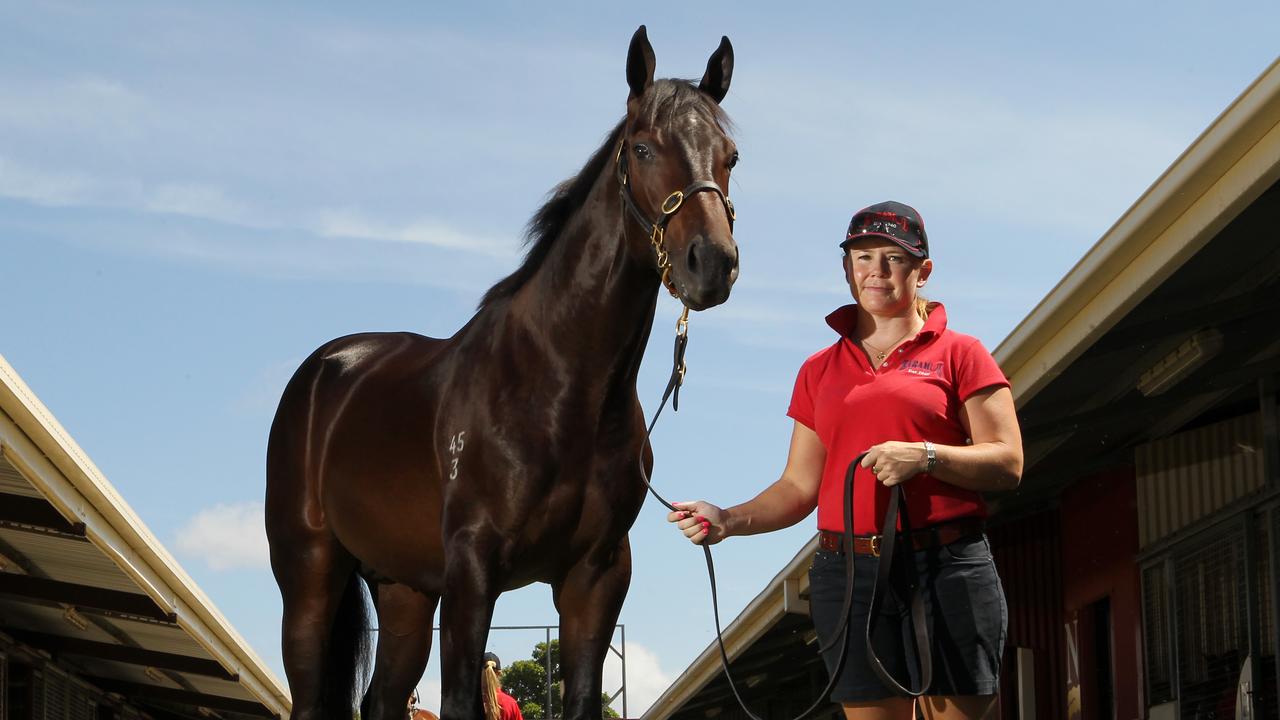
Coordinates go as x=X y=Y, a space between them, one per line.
x=413 y=704
x=498 y=705
x=935 y=415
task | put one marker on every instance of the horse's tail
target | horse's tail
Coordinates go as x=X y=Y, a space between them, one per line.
x=347 y=655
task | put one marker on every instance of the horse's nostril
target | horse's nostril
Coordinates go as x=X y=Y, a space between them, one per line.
x=693 y=257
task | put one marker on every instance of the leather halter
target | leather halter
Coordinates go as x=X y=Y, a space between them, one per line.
x=657 y=229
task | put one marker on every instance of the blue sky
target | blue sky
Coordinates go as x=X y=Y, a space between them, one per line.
x=193 y=197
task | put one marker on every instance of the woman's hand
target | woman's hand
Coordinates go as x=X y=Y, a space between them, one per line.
x=700 y=521
x=896 y=462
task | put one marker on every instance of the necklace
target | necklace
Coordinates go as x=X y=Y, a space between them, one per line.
x=882 y=354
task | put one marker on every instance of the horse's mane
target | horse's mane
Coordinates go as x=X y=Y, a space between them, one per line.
x=668 y=99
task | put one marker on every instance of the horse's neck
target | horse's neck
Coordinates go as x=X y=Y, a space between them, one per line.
x=591 y=299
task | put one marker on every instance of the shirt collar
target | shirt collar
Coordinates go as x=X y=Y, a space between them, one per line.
x=844 y=320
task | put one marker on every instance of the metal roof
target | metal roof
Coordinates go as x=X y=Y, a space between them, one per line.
x=84 y=581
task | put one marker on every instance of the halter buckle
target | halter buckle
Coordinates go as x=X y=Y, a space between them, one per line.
x=672 y=203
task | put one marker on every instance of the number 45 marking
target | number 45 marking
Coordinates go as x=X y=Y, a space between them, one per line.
x=456 y=442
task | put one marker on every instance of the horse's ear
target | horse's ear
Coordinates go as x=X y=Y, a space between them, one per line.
x=715 y=82
x=640 y=63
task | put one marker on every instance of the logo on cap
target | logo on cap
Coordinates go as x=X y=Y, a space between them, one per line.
x=881 y=222
x=893 y=221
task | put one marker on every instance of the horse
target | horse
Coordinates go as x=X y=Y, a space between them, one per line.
x=516 y=447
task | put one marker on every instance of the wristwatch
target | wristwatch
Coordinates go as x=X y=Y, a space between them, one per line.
x=931 y=456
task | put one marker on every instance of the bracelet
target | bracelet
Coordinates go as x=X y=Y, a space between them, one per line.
x=931 y=456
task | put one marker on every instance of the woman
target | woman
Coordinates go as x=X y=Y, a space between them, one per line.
x=934 y=414
x=497 y=704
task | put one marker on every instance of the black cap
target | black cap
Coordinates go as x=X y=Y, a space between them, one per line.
x=893 y=221
x=497 y=664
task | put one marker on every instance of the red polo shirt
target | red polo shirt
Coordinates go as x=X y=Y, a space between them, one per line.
x=916 y=395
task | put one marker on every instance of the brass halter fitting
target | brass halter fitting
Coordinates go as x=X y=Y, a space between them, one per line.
x=669 y=207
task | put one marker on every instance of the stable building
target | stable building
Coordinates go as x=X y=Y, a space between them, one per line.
x=1141 y=554
x=97 y=620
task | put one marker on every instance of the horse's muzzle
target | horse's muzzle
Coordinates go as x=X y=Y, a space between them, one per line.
x=710 y=269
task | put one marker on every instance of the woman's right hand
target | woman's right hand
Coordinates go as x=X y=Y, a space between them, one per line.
x=700 y=521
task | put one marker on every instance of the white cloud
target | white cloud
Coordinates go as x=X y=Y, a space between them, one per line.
x=196 y=200
x=226 y=536
x=42 y=187
x=646 y=679
x=291 y=239
x=351 y=224
x=58 y=105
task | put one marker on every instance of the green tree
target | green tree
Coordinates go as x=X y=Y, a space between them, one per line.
x=526 y=681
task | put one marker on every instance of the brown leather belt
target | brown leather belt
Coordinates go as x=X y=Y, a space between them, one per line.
x=922 y=539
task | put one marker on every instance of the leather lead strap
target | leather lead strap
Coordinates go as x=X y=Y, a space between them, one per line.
x=891 y=566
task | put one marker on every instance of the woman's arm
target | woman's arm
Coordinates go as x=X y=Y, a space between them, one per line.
x=992 y=462
x=784 y=503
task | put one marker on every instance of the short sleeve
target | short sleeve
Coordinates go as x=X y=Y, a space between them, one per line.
x=802 y=397
x=977 y=370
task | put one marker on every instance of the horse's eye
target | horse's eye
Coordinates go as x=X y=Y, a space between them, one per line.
x=733 y=160
x=642 y=151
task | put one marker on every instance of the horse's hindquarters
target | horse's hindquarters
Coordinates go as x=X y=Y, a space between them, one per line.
x=350 y=460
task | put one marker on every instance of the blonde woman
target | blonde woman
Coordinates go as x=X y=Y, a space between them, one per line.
x=934 y=414
x=497 y=704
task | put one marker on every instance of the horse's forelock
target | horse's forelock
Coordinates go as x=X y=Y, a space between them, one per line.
x=669 y=100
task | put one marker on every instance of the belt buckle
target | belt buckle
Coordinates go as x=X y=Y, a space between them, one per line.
x=875 y=545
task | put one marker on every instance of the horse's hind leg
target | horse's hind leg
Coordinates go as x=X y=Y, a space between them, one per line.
x=589 y=599
x=324 y=627
x=404 y=643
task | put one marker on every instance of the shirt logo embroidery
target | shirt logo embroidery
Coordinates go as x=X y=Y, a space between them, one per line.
x=921 y=368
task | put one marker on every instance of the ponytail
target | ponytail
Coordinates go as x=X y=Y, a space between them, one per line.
x=922 y=307
x=489 y=691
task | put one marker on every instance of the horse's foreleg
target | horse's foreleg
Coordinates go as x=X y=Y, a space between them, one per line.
x=465 y=613
x=404 y=643
x=589 y=599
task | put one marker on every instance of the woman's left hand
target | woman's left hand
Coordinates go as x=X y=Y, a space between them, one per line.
x=895 y=462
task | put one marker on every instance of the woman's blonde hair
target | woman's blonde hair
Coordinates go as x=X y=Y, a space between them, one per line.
x=489 y=691
x=922 y=307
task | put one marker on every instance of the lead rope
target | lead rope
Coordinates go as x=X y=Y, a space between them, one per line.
x=672 y=392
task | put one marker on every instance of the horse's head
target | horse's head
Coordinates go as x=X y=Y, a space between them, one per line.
x=673 y=162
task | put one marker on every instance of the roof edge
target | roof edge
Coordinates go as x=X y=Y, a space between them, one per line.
x=81 y=492
x=1176 y=216
x=755 y=619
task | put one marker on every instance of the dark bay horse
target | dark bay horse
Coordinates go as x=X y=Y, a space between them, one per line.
x=450 y=470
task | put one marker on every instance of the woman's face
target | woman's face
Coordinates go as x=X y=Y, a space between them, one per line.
x=883 y=277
